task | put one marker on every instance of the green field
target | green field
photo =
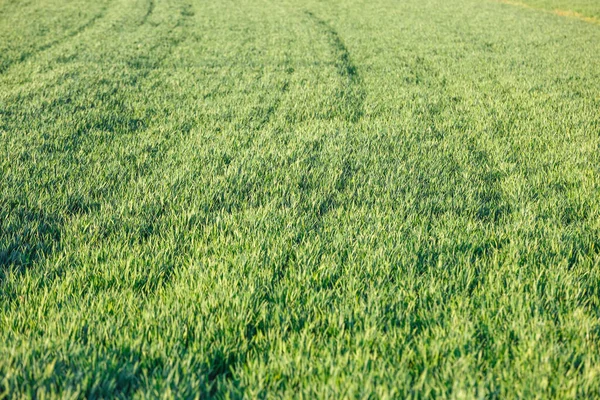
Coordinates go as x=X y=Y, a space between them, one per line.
x=305 y=199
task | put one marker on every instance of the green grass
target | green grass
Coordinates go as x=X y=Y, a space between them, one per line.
x=317 y=198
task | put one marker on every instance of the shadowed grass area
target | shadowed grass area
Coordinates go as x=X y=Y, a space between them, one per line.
x=314 y=199
x=352 y=92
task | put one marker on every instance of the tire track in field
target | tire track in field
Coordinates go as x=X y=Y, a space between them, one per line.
x=149 y=12
x=275 y=105
x=349 y=107
x=24 y=57
x=35 y=233
x=145 y=224
x=352 y=92
x=559 y=12
x=148 y=225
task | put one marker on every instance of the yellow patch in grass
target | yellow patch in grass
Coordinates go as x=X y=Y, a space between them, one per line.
x=562 y=13
x=573 y=14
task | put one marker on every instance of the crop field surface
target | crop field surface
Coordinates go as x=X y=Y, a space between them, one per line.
x=300 y=199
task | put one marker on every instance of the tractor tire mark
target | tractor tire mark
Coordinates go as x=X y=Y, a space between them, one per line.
x=151 y=223
x=39 y=230
x=24 y=57
x=272 y=109
x=352 y=92
x=149 y=12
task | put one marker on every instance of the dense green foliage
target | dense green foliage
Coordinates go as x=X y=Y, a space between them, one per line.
x=319 y=198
